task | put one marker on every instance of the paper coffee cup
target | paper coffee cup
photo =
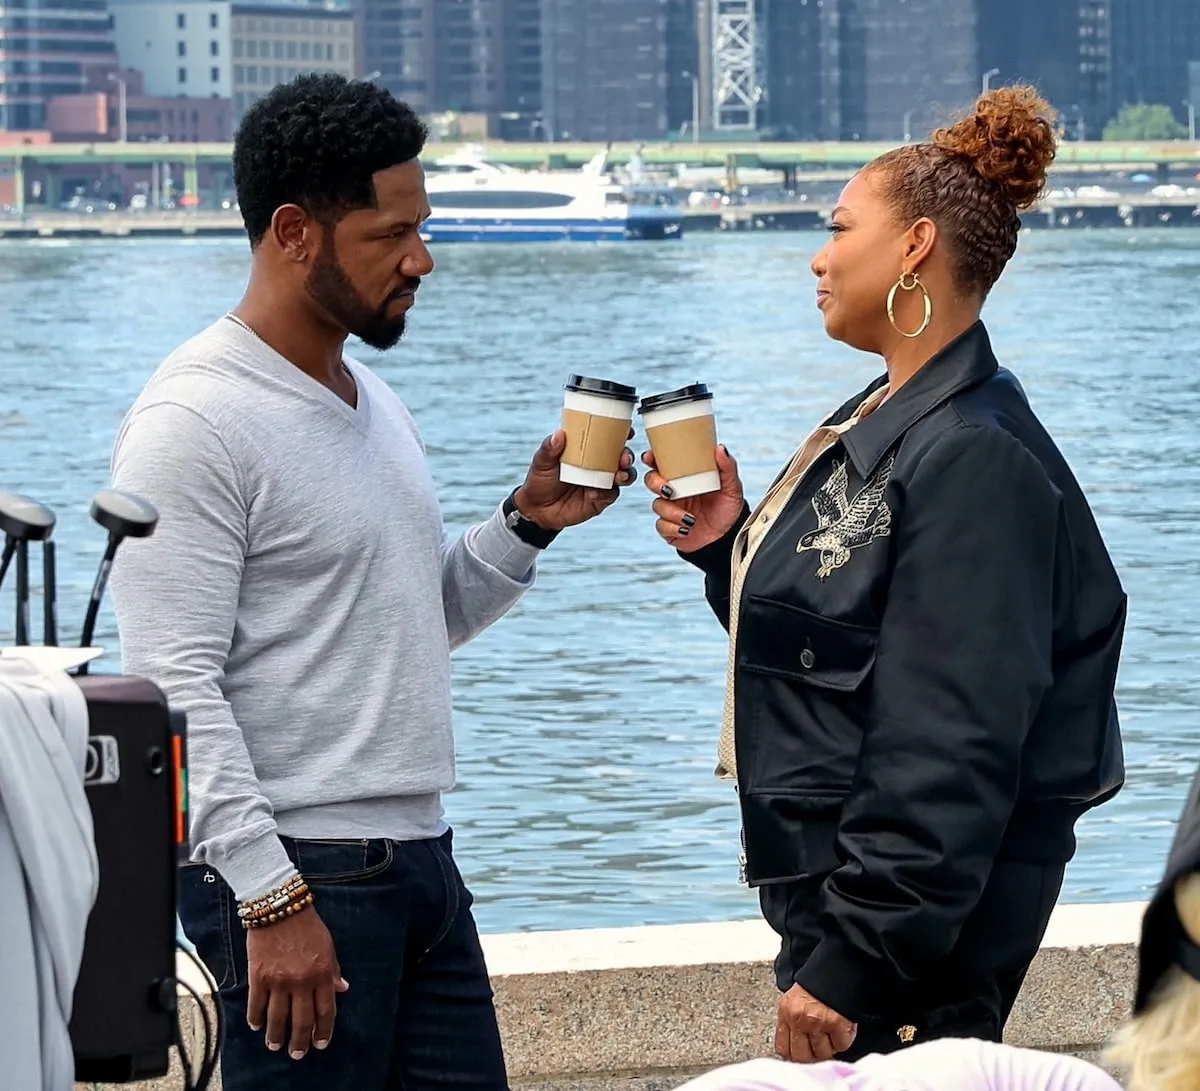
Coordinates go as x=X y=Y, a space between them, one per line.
x=682 y=431
x=596 y=418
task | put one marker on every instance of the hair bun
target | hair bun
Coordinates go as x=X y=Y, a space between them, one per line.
x=1009 y=138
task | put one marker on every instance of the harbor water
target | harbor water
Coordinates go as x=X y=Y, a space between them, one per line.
x=587 y=719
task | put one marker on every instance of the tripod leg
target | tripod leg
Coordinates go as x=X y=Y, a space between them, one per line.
x=22 y=627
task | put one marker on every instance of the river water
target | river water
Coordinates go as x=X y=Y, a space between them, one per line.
x=587 y=718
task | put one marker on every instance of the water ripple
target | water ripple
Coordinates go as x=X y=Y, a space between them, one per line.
x=586 y=720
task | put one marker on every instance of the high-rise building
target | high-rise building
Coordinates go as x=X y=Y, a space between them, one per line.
x=683 y=66
x=465 y=56
x=919 y=65
x=1061 y=46
x=223 y=49
x=48 y=50
x=1153 y=42
x=795 y=99
x=604 y=69
x=521 y=69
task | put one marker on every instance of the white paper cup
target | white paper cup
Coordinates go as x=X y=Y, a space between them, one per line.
x=682 y=431
x=596 y=417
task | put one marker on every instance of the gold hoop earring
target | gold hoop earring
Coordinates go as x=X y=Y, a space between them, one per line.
x=909 y=282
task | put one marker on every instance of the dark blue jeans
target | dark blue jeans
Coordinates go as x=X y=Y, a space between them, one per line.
x=418 y=1014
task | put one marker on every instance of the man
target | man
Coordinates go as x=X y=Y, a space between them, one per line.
x=300 y=601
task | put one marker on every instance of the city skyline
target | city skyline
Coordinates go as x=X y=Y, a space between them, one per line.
x=563 y=70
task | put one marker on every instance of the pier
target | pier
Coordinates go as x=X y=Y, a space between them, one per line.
x=55 y=164
x=614 y=1009
x=1072 y=212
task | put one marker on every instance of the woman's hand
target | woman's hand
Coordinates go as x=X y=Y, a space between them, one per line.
x=808 y=1030
x=691 y=524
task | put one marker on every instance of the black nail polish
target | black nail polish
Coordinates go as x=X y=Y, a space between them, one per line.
x=689 y=520
x=684 y=532
x=667 y=492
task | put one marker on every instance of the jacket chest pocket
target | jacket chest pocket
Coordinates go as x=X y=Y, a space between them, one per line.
x=799 y=708
x=787 y=642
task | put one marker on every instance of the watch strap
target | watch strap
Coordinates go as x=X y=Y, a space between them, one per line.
x=525 y=529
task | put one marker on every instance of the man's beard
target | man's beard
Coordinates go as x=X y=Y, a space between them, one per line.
x=331 y=289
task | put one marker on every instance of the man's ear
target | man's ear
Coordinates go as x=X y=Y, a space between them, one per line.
x=295 y=233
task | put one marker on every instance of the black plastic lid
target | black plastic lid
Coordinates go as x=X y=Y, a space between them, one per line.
x=581 y=384
x=697 y=392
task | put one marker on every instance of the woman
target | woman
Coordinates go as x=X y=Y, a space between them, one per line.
x=924 y=626
x=1159 y=1050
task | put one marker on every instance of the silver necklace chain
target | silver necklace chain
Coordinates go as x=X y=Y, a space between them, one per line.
x=255 y=334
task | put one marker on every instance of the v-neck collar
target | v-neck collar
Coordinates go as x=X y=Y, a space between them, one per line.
x=304 y=384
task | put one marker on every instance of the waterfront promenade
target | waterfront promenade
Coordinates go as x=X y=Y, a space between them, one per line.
x=614 y=1009
x=1065 y=212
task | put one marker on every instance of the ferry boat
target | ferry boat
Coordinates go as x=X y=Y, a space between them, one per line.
x=475 y=199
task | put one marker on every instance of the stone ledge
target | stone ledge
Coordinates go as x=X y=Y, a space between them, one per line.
x=604 y=1009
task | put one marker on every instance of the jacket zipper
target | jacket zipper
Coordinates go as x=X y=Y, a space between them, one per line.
x=742 y=854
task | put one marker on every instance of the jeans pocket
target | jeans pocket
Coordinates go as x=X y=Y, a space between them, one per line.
x=208 y=915
x=350 y=861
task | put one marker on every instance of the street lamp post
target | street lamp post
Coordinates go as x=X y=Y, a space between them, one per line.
x=908 y=126
x=987 y=79
x=695 y=105
x=122 y=107
x=1191 y=109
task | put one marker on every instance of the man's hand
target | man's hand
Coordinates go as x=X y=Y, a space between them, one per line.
x=294 y=979
x=553 y=505
x=808 y=1031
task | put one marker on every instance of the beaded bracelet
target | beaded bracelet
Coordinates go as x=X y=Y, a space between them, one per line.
x=274 y=899
x=279 y=907
x=289 y=910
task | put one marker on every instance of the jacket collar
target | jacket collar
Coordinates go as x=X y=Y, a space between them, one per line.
x=966 y=362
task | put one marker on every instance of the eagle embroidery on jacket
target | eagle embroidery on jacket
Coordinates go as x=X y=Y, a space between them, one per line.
x=844 y=524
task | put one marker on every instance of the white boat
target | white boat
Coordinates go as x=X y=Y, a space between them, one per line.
x=475 y=199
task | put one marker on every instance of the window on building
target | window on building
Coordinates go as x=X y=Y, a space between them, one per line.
x=279 y=51
x=291 y=51
x=305 y=49
x=343 y=52
x=213 y=21
x=237 y=47
x=181 y=49
x=329 y=51
x=216 y=75
x=264 y=76
x=239 y=73
x=181 y=21
x=183 y=75
x=279 y=74
x=252 y=49
x=214 y=49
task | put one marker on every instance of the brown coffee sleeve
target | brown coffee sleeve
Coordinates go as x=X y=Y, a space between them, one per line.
x=684 y=448
x=594 y=443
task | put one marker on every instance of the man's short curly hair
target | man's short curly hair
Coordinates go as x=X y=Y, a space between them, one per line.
x=318 y=142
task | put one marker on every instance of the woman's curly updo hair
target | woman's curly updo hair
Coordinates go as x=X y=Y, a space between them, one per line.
x=974 y=178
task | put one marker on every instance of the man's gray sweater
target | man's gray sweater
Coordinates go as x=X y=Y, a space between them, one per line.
x=299 y=600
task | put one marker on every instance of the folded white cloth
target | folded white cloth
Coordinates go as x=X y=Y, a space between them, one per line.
x=49 y=873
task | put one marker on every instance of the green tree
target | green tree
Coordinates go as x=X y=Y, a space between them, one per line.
x=1142 y=122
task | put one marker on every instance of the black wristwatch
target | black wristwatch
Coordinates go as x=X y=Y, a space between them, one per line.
x=525 y=529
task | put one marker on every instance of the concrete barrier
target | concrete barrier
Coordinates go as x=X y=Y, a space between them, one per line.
x=594 y=1010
